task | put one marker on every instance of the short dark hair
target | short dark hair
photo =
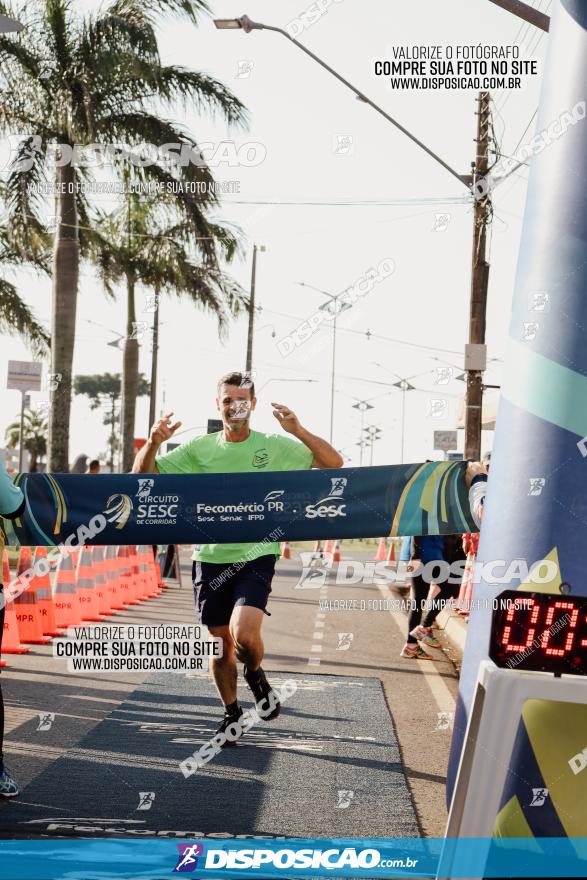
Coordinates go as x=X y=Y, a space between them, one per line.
x=94 y=463
x=241 y=380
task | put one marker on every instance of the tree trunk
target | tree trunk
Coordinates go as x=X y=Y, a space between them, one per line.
x=130 y=380
x=65 y=282
x=112 y=438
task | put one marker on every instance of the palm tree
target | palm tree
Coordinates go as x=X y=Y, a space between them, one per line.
x=15 y=316
x=146 y=243
x=34 y=433
x=79 y=80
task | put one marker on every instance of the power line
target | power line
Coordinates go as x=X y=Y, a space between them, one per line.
x=368 y=334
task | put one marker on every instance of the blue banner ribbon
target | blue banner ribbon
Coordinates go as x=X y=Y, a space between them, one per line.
x=410 y=499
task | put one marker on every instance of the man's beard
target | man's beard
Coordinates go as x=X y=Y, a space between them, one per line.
x=236 y=425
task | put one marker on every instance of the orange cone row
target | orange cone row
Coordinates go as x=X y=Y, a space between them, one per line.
x=90 y=584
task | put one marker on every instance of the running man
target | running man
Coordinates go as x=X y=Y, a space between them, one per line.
x=234 y=611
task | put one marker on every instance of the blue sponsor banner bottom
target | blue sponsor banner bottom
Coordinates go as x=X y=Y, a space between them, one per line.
x=286 y=858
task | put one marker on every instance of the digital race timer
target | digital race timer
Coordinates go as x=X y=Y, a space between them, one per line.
x=540 y=632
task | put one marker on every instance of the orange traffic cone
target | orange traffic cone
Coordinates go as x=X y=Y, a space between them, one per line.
x=152 y=569
x=150 y=584
x=28 y=612
x=336 y=552
x=285 y=550
x=42 y=584
x=66 y=600
x=86 y=587
x=381 y=550
x=113 y=582
x=145 y=588
x=158 y=575
x=10 y=639
x=328 y=547
x=391 y=554
x=126 y=583
x=100 y=580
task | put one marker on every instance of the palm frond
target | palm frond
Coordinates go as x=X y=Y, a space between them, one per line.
x=149 y=10
x=201 y=91
x=17 y=319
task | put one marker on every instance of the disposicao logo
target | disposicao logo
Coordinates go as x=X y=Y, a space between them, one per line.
x=118 y=510
x=188 y=857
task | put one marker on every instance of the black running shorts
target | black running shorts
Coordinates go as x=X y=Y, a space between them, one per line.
x=220 y=587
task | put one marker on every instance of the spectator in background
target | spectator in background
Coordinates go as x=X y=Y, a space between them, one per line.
x=476 y=477
x=424 y=549
x=80 y=465
x=94 y=467
x=12 y=505
x=442 y=593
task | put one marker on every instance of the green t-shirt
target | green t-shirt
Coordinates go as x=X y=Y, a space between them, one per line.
x=212 y=454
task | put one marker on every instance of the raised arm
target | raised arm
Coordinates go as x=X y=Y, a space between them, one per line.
x=161 y=431
x=325 y=455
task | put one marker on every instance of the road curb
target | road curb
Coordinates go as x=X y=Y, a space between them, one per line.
x=454 y=627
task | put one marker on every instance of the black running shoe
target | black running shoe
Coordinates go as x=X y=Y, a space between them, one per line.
x=257 y=681
x=226 y=722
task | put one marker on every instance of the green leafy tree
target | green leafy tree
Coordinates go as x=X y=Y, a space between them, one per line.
x=69 y=79
x=34 y=432
x=146 y=243
x=16 y=318
x=103 y=391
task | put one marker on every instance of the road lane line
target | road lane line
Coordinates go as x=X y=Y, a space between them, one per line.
x=442 y=695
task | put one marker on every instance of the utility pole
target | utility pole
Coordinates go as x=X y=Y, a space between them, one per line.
x=154 y=358
x=475 y=352
x=249 y=364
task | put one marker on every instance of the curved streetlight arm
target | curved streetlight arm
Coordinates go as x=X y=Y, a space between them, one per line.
x=248 y=25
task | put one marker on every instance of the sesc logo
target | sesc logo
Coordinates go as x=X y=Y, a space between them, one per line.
x=188 y=857
x=333 y=504
x=118 y=510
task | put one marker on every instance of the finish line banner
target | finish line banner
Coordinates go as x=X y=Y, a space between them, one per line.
x=407 y=499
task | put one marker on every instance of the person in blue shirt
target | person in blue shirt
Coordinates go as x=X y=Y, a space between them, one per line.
x=12 y=504
x=424 y=549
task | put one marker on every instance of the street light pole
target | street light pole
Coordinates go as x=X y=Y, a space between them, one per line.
x=525 y=12
x=362 y=406
x=333 y=301
x=154 y=357
x=246 y=24
x=249 y=363
x=333 y=375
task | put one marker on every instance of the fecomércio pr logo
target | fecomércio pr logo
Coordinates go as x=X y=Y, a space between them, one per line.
x=187 y=858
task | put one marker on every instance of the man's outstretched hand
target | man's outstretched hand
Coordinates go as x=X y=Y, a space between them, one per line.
x=162 y=430
x=287 y=419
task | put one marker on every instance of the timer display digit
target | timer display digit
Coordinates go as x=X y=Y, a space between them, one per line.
x=540 y=632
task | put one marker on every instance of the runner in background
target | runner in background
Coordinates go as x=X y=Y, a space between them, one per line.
x=232 y=582
x=12 y=504
x=424 y=549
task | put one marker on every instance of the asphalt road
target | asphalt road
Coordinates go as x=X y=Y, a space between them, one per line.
x=360 y=749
